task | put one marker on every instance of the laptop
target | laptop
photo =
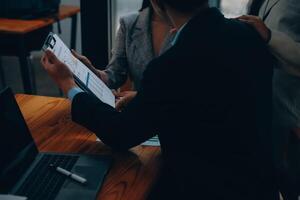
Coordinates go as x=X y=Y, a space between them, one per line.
x=24 y=171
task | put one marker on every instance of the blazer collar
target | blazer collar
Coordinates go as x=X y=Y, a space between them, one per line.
x=141 y=36
x=143 y=23
x=268 y=6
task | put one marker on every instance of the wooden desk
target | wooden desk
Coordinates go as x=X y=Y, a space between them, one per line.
x=16 y=26
x=17 y=38
x=132 y=174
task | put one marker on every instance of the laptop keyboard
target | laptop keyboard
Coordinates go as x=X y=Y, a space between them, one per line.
x=44 y=182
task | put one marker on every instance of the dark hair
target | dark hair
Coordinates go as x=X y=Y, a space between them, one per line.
x=146 y=4
x=185 y=5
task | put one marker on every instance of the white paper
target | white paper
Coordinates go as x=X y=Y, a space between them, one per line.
x=152 y=142
x=11 y=197
x=82 y=72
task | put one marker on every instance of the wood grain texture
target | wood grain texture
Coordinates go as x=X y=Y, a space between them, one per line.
x=133 y=173
x=16 y=26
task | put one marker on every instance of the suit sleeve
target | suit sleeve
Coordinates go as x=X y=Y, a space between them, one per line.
x=287 y=51
x=121 y=130
x=117 y=69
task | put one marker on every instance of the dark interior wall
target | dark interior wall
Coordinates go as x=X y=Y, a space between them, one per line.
x=94 y=25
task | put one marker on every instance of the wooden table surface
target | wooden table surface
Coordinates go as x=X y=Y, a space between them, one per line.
x=17 y=26
x=133 y=173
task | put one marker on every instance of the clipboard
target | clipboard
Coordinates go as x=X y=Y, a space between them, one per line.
x=83 y=76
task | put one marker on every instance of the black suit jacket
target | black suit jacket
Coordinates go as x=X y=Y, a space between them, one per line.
x=209 y=100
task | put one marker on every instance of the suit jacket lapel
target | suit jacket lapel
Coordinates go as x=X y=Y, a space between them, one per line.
x=267 y=7
x=141 y=36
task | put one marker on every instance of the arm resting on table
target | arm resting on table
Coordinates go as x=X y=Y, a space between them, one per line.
x=120 y=130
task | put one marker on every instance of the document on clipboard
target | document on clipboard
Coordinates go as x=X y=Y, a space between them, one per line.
x=83 y=76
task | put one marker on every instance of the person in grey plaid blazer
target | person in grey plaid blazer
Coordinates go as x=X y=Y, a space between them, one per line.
x=141 y=37
x=277 y=21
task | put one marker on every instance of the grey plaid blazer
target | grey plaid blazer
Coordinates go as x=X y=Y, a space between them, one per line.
x=133 y=50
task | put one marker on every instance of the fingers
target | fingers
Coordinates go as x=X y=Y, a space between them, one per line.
x=49 y=61
x=123 y=99
x=80 y=57
x=121 y=103
x=258 y=25
x=43 y=59
x=120 y=94
x=50 y=56
x=74 y=53
x=84 y=60
x=251 y=22
x=45 y=62
x=248 y=17
x=115 y=92
x=77 y=55
x=244 y=17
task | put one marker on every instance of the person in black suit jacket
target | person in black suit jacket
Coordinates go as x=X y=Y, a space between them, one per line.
x=207 y=99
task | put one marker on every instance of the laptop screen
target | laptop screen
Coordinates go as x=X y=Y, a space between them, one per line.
x=17 y=148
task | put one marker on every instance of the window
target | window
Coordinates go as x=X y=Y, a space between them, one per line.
x=119 y=8
x=122 y=8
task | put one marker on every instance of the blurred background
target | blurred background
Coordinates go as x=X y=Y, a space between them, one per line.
x=96 y=28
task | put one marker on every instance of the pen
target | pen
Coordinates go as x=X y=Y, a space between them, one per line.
x=69 y=174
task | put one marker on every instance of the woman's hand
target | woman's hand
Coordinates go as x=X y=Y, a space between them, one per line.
x=258 y=24
x=102 y=75
x=58 y=71
x=123 y=98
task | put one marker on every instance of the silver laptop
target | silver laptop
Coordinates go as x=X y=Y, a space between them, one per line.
x=26 y=172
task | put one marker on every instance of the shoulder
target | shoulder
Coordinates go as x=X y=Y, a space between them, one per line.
x=243 y=39
x=248 y=48
x=240 y=30
x=244 y=36
x=136 y=19
x=129 y=20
